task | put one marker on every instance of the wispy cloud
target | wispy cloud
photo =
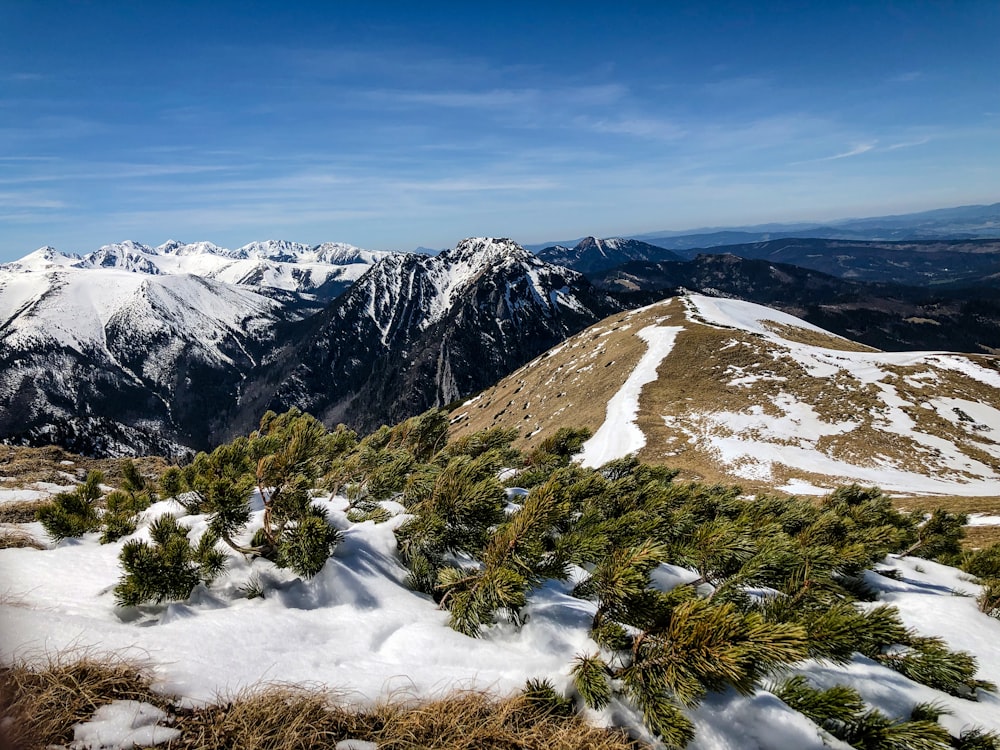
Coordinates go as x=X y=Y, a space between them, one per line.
x=908 y=144
x=856 y=150
x=908 y=77
x=22 y=77
x=89 y=171
x=642 y=127
x=29 y=200
x=502 y=98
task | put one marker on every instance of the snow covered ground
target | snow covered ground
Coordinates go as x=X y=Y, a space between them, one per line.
x=914 y=423
x=753 y=442
x=357 y=628
x=619 y=435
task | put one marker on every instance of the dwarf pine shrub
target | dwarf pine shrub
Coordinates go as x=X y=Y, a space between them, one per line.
x=72 y=514
x=840 y=711
x=122 y=507
x=168 y=566
x=280 y=463
x=775 y=580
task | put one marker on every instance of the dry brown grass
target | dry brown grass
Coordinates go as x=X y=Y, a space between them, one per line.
x=12 y=537
x=25 y=466
x=986 y=505
x=978 y=537
x=20 y=511
x=284 y=718
x=570 y=387
x=271 y=719
x=815 y=338
x=45 y=703
x=715 y=370
x=471 y=720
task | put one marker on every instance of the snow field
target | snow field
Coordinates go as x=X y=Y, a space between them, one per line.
x=619 y=435
x=357 y=629
x=752 y=443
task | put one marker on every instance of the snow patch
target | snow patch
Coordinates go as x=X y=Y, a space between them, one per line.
x=619 y=435
x=123 y=725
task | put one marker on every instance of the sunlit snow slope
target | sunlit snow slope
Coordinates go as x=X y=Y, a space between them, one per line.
x=745 y=393
x=324 y=270
x=159 y=354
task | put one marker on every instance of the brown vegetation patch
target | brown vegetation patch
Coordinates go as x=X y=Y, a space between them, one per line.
x=979 y=537
x=571 y=386
x=713 y=371
x=20 y=511
x=988 y=505
x=45 y=703
x=12 y=537
x=25 y=466
x=287 y=718
x=809 y=337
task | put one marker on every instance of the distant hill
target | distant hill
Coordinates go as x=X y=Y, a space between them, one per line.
x=960 y=222
x=924 y=263
x=888 y=316
x=730 y=391
x=957 y=223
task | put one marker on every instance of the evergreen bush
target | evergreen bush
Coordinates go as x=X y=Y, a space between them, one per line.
x=72 y=514
x=167 y=567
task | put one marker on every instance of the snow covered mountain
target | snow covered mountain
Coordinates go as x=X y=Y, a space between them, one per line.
x=324 y=271
x=418 y=331
x=731 y=391
x=591 y=254
x=122 y=359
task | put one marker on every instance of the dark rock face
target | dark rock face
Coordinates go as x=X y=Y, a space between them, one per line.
x=416 y=332
x=123 y=364
x=592 y=255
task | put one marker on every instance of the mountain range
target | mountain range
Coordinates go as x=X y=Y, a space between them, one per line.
x=959 y=222
x=135 y=349
x=121 y=351
x=888 y=316
x=420 y=331
x=323 y=271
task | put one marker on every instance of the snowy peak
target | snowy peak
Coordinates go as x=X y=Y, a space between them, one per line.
x=277 y=250
x=591 y=254
x=602 y=247
x=432 y=287
x=164 y=354
x=42 y=259
x=323 y=270
x=483 y=252
x=127 y=256
x=175 y=247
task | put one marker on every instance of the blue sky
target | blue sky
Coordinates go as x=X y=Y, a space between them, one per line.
x=392 y=125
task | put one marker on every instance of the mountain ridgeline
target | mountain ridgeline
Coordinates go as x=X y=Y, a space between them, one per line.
x=127 y=351
x=418 y=331
x=894 y=317
x=133 y=349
